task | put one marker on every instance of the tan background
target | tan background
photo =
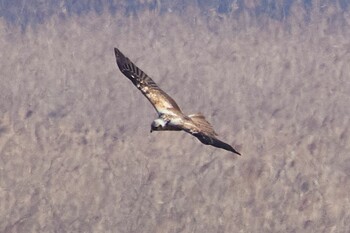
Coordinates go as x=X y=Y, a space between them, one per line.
x=77 y=155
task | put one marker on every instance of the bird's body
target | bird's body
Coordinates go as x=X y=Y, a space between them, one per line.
x=170 y=116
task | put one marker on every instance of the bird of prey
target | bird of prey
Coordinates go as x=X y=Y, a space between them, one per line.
x=170 y=117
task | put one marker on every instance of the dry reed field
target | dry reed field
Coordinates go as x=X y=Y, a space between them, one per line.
x=76 y=154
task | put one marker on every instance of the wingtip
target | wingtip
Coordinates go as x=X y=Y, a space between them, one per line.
x=230 y=148
x=120 y=57
x=236 y=152
x=117 y=52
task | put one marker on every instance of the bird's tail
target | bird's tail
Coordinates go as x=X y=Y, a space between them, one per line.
x=202 y=123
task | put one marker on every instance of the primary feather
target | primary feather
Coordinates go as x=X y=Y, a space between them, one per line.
x=158 y=98
x=170 y=115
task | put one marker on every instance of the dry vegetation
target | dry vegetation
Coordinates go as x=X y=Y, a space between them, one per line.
x=77 y=156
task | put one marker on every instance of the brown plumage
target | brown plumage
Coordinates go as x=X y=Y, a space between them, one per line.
x=170 y=115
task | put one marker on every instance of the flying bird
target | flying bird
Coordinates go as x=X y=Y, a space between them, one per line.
x=170 y=116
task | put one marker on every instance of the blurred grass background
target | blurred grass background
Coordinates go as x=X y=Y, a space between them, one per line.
x=75 y=150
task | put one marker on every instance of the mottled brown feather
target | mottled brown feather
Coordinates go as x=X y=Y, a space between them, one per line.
x=195 y=124
x=158 y=98
x=200 y=121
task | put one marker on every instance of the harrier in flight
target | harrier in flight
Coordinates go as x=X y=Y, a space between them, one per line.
x=170 y=117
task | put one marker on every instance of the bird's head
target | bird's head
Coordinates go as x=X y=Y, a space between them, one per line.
x=157 y=124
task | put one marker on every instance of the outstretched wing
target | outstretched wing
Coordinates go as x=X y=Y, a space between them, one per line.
x=213 y=141
x=199 y=120
x=202 y=129
x=160 y=100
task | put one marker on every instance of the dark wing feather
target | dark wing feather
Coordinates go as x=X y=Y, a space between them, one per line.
x=159 y=99
x=213 y=141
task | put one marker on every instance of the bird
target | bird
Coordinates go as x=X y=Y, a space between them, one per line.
x=170 y=116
